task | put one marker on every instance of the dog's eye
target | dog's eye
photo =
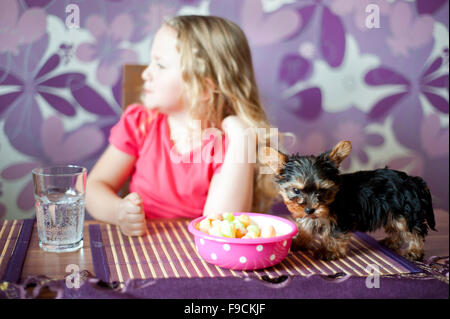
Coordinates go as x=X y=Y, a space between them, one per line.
x=296 y=191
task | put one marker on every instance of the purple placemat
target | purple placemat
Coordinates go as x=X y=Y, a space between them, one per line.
x=168 y=251
x=14 y=240
x=425 y=286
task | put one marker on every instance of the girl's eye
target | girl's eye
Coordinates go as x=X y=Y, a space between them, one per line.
x=161 y=66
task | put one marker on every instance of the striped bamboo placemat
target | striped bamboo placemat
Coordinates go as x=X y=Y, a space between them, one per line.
x=14 y=239
x=168 y=251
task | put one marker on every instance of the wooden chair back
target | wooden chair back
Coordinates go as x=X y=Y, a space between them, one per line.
x=132 y=83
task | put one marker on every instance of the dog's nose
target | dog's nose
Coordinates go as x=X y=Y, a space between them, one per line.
x=309 y=211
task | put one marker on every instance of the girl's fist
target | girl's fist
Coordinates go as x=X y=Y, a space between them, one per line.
x=131 y=216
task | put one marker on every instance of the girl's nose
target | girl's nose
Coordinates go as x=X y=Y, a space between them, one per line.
x=146 y=75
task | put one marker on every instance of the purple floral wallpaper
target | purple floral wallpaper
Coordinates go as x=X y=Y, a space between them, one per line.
x=375 y=72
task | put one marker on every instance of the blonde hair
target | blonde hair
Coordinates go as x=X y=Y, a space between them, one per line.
x=216 y=62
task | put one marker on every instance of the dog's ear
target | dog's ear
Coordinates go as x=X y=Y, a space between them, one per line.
x=340 y=152
x=272 y=158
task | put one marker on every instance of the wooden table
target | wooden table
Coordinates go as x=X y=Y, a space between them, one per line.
x=53 y=265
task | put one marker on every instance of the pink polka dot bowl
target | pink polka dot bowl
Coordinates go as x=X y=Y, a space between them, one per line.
x=248 y=253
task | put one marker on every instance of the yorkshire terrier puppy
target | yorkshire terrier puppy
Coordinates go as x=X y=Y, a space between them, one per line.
x=330 y=206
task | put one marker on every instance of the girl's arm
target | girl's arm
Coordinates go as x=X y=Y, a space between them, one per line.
x=232 y=188
x=104 y=181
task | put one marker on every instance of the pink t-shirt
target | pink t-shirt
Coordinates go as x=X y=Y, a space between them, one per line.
x=170 y=184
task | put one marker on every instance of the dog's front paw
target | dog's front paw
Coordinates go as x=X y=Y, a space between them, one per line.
x=297 y=246
x=300 y=243
x=325 y=254
x=414 y=255
x=390 y=243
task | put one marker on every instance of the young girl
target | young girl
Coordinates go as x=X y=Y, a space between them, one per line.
x=200 y=72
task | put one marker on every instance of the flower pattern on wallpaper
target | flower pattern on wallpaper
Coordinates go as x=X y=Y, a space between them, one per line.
x=306 y=103
x=433 y=141
x=330 y=40
x=349 y=124
x=357 y=9
x=314 y=141
x=355 y=132
x=59 y=147
x=324 y=76
x=20 y=103
x=264 y=29
x=273 y=5
x=16 y=29
x=332 y=47
x=411 y=128
x=25 y=81
x=408 y=33
x=147 y=21
x=332 y=34
x=286 y=23
x=154 y=16
x=339 y=88
x=427 y=84
x=429 y=7
x=429 y=159
x=108 y=47
x=433 y=137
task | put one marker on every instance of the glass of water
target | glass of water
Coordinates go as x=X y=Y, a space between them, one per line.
x=59 y=193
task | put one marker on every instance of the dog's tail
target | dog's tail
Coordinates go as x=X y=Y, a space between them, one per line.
x=425 y=200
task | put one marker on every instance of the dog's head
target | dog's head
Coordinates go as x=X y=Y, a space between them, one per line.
x=308 y=184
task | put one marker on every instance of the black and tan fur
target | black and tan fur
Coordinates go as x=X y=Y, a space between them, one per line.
x=330 y=206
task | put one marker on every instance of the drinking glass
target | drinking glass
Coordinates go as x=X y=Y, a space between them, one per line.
x=59 y=193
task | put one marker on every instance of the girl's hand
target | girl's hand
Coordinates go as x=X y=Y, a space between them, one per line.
x=131 y=216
